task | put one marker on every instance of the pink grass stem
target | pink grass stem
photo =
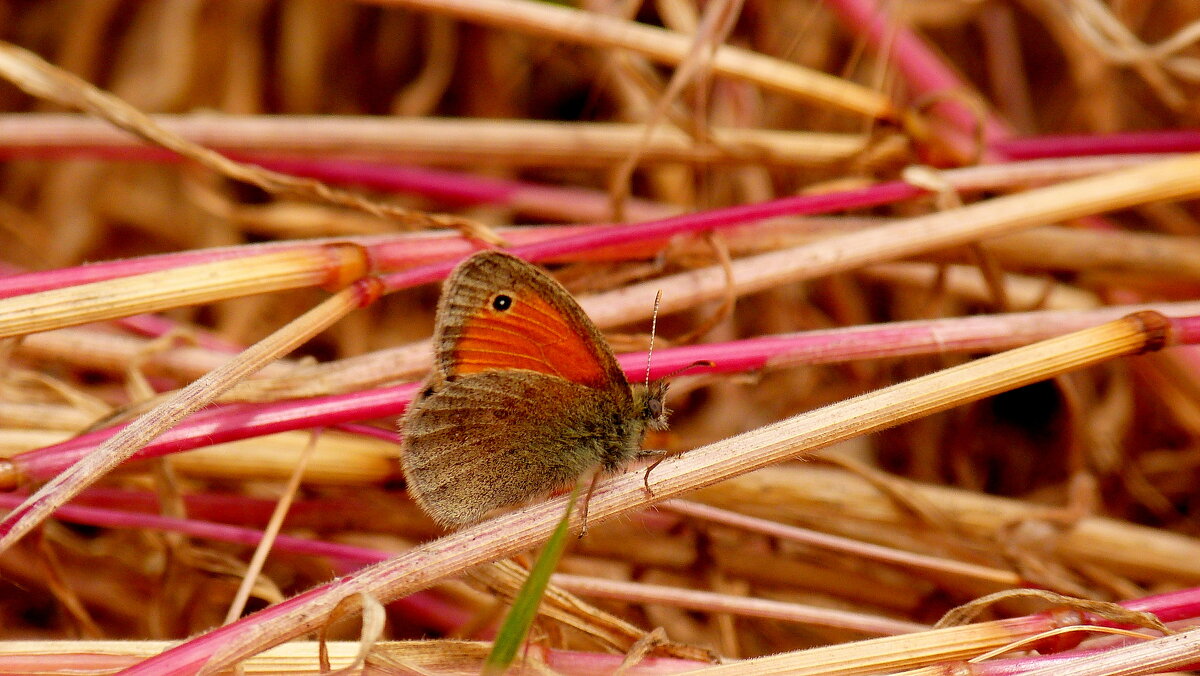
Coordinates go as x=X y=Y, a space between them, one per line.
x=577 y=662
x=1080 y=145
x=1182 y=604
x=898 y=339
x=1186 y=330
x=231 y=508
x=226 y=423
x=706 y=221
x=250 y=537
x=567 y=203
x=372 y=431
x=448 y=187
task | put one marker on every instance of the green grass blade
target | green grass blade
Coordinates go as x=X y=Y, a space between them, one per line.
x=520 y=617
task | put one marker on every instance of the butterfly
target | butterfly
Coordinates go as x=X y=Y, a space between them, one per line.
x=525 y=395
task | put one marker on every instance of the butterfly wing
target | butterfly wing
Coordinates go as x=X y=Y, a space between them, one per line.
x=498 y=312
x=495 y=438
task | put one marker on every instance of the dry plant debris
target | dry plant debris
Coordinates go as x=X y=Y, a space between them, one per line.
x=221 y=225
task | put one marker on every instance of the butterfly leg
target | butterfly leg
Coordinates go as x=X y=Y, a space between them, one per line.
x=587 y=500
x=660 y=455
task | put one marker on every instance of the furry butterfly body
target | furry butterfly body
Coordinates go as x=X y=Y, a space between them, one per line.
x=525 y=395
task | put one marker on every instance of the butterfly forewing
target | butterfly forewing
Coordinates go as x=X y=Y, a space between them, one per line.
x=538 y=328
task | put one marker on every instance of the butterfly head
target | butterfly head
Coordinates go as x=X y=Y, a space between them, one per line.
x=649 y=399
x=650 y=402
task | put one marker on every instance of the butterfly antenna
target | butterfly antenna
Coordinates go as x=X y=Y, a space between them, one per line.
x=702 y=363
x=653 y=328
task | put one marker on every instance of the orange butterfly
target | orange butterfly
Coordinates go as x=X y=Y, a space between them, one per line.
x=525 y=395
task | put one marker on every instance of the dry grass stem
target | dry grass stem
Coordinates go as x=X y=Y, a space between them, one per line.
x=182 y=286
x=446 y=141
x=337 y=460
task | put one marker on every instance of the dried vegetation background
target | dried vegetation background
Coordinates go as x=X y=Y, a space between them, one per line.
x=1084 y=485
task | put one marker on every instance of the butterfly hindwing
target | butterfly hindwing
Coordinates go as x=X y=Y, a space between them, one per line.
x=498 y=312
x=465 y=451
